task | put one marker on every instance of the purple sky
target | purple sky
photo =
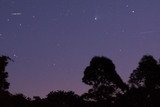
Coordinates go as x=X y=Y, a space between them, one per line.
x=52 y=41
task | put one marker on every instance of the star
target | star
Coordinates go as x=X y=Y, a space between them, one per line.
x=8 y=20
x=120 y=50
x=95 y=18
x=1 y=36
x=33 y=16
x=127 y=5
x=133 y=11
x=54 y=64
x=123 y=30
x=15 y=55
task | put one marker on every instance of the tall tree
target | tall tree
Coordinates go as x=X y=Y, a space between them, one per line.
x=4 y=85
x=145 y=83
x=147 y=74
x=104 y=80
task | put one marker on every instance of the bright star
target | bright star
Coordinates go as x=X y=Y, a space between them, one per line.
x=95 y=18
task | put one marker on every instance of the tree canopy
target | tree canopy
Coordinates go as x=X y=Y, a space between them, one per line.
x=103 y=78
x=147 y=74
x=106 y=87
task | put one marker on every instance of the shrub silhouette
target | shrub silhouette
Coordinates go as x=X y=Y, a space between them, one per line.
x=63 y=99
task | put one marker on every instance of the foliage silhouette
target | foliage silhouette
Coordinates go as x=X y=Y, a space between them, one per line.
x=147 y=74
x=144 y=84
x=63 y=99
x=102 y=76
x=19 y=100
x=4 y=85
x=107 y=88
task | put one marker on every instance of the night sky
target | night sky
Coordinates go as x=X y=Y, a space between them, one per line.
x=52 y=41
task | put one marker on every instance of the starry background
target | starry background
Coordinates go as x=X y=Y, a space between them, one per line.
x=52 y=41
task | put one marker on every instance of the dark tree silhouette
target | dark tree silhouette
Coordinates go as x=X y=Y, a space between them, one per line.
x=4 y=85
x=107 y=88
x=144 y=84
x=102 y=76
x=63 y=99
x=19 y=100
x=147 y=74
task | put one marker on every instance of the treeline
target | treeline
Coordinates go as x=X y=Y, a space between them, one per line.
x=107 y=89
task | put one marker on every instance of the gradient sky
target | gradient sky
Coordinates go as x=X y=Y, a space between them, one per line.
x=52 y=41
